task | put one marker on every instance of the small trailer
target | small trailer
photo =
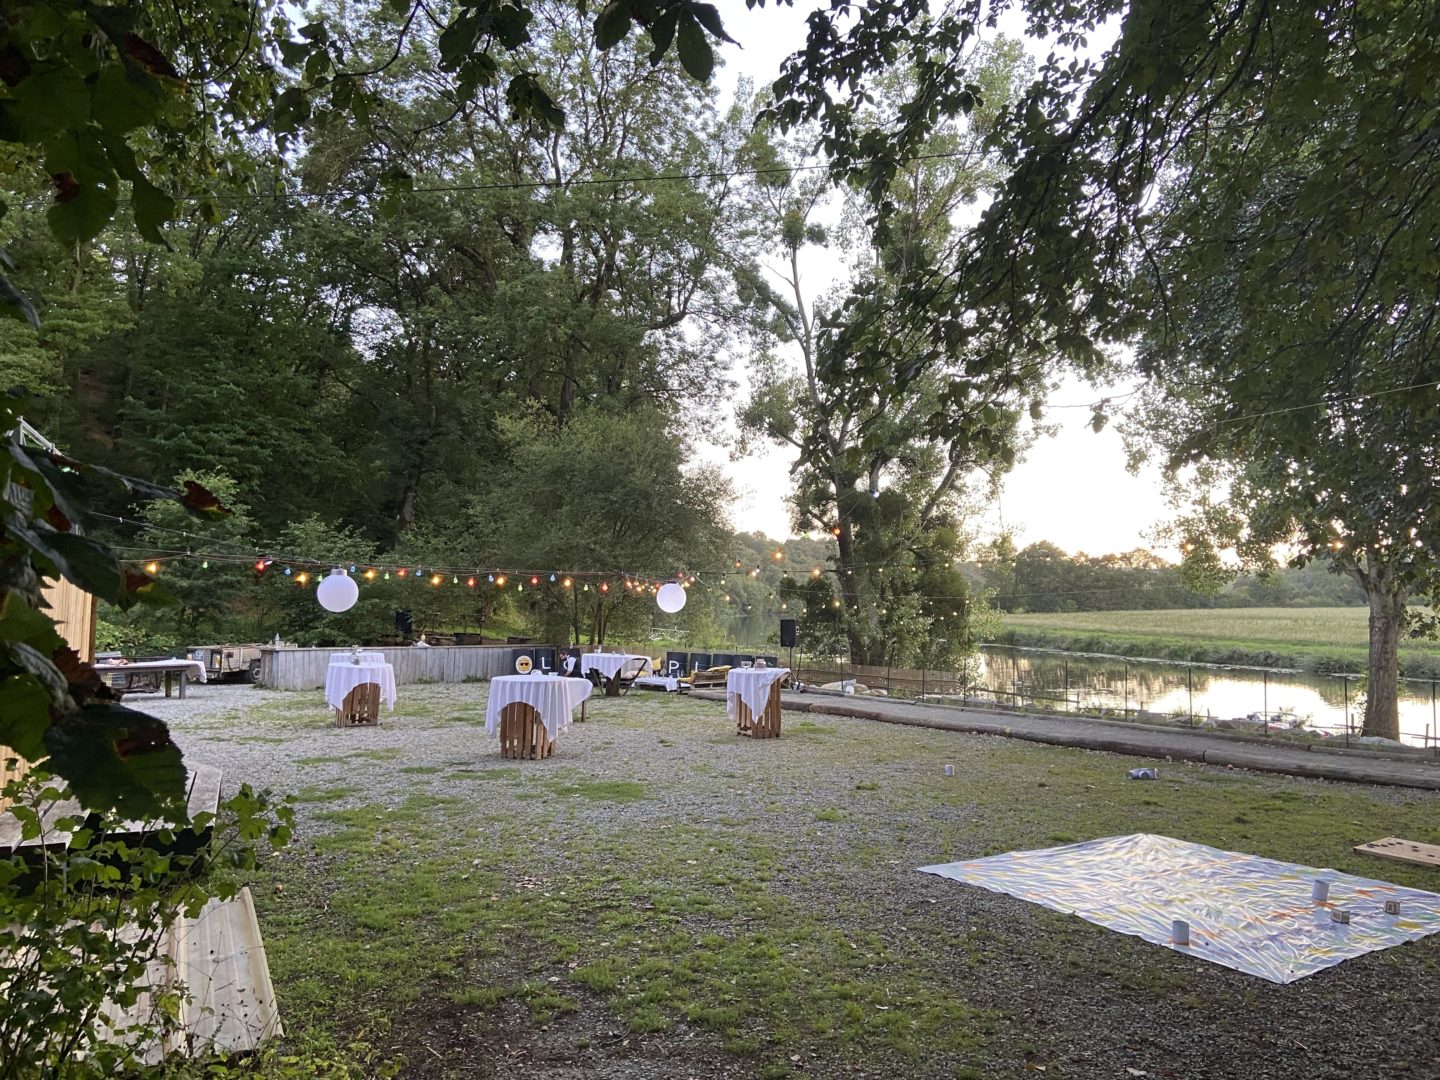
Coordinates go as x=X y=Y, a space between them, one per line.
x=228 y=663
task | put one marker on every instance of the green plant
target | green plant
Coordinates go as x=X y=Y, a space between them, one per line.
x=84 y=910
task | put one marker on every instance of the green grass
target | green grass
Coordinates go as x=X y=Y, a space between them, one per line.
x=1316 y=639
x=761 y=907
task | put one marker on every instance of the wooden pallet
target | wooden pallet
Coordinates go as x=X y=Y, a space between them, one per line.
x=522 y=732
x=764 y=726
x=1399 y=850
x=361 y=707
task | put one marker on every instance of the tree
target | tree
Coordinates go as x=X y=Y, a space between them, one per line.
x=872 y=471
x=1291 y=344
x=609 y=491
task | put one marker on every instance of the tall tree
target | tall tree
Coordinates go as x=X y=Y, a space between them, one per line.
x=872 y=469
x=1291 y=343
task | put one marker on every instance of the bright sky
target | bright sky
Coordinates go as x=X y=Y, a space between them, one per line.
x=1073 y=489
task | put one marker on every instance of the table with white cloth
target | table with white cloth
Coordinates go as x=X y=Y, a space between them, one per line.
x=611 y=665
x=122 y=676
x=355 y=691
x=530 y=711
x=752 y=698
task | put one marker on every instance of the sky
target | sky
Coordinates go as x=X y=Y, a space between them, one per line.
x=1072 y=489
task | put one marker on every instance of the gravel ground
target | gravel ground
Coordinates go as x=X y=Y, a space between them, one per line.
x=851 y=807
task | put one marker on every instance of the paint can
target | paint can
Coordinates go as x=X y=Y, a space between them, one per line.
x=1179 y=932
x=1392 y=907
x=949 y=770
x=1320 y=891
x=1339 y=915
x=1144 y=774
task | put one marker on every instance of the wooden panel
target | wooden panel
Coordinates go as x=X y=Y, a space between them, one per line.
x=73 y=610
x=229 y=1002
x=1406 y=851
x=304 y=669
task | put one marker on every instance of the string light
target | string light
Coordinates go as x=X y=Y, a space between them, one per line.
x=370 y=574
x=604 y=586
x=287 y=571
x=500 y=582
x=552 y=581
x=470 y=582
x=566 y=583
x=152 y=568
x=435 y=580
x=401 y=572
x=303 y=577
x=534 y=580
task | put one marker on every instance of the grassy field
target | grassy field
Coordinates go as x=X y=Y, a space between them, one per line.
x=664 y=900
x=1316 y=639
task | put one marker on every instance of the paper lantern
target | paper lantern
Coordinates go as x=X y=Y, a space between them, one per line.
x=671 y=598
x=338 y=592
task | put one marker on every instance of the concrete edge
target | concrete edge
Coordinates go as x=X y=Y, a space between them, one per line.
x=1245 y=756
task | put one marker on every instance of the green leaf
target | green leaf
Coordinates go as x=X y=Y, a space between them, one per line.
x=20 y=622
x=123 y=99
x=709 y=18
x=153 y=208
x=17 y=304
x=114 y=758
x=696 y=56
x=612 y=24
x=88 y=564
x=662 y=33
x=24 y=716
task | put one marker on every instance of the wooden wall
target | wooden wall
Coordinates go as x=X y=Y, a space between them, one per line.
x=73 y=609
x=304 y=669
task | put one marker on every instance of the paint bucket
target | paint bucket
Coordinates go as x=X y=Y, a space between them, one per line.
x=949 y=770
x=1320 y=891
x=1179 y=932
x=1144 y=774
x=1339 y=915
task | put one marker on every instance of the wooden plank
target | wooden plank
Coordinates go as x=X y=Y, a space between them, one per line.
x=1397 y=849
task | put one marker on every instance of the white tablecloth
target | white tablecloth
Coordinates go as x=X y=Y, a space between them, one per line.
x=608 y=663
x=752 y=686
x=193 y=669
x=340 y=679
x=365 y=658
x=554 y=697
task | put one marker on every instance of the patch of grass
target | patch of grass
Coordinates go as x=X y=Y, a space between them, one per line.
x=808 y=727
x=867 y=785
x=830 y=813
x=318 y=794
x=620 y=791
x=482 y=997
x=307 y=761
x=419 y=770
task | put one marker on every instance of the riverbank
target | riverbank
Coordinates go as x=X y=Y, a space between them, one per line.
x=1325 y=641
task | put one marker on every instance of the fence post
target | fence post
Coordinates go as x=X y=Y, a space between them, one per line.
x=1265 y=702
x=922 y=679
x=1435 y=727
x=1067 y=684
x=1126 y=715
x=1190 y=692
x=1345 y=680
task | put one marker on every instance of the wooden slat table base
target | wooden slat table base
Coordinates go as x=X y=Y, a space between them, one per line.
x=522 y=732
x=361 y=707
x=1406 y=851
x=764 y=726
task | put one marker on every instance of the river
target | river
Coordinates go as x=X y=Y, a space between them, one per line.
x=1089 y=683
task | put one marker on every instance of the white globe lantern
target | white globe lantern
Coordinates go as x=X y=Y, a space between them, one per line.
x=671 y=598
x=338 y=592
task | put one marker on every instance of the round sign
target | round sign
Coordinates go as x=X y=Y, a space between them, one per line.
x=523 y=664
x=670 y=598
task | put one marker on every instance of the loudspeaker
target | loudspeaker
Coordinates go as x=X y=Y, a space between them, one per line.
x=787 y=633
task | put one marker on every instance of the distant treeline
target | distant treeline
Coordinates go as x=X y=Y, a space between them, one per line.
x=1044 y=578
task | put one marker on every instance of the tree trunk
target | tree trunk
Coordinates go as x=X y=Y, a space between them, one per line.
x=1382 y=707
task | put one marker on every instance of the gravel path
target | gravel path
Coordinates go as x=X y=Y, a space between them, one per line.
x=852 y=807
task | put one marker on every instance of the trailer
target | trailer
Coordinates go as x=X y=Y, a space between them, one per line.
x=228 y=663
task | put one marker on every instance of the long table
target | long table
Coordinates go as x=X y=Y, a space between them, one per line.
x=173 y=670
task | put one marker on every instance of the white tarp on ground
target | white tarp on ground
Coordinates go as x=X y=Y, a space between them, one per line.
x=1252 y=914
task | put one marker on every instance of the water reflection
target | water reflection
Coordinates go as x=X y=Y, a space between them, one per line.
x=1237 y=697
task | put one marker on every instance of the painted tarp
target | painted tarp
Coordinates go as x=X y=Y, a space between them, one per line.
x=1252 y=914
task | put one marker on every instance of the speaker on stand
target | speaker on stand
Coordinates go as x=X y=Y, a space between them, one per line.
x=787 y=640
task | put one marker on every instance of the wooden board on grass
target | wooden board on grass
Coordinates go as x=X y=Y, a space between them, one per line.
x=1406 y=851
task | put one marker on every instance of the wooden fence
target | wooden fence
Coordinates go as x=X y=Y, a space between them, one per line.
x=304 y=669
